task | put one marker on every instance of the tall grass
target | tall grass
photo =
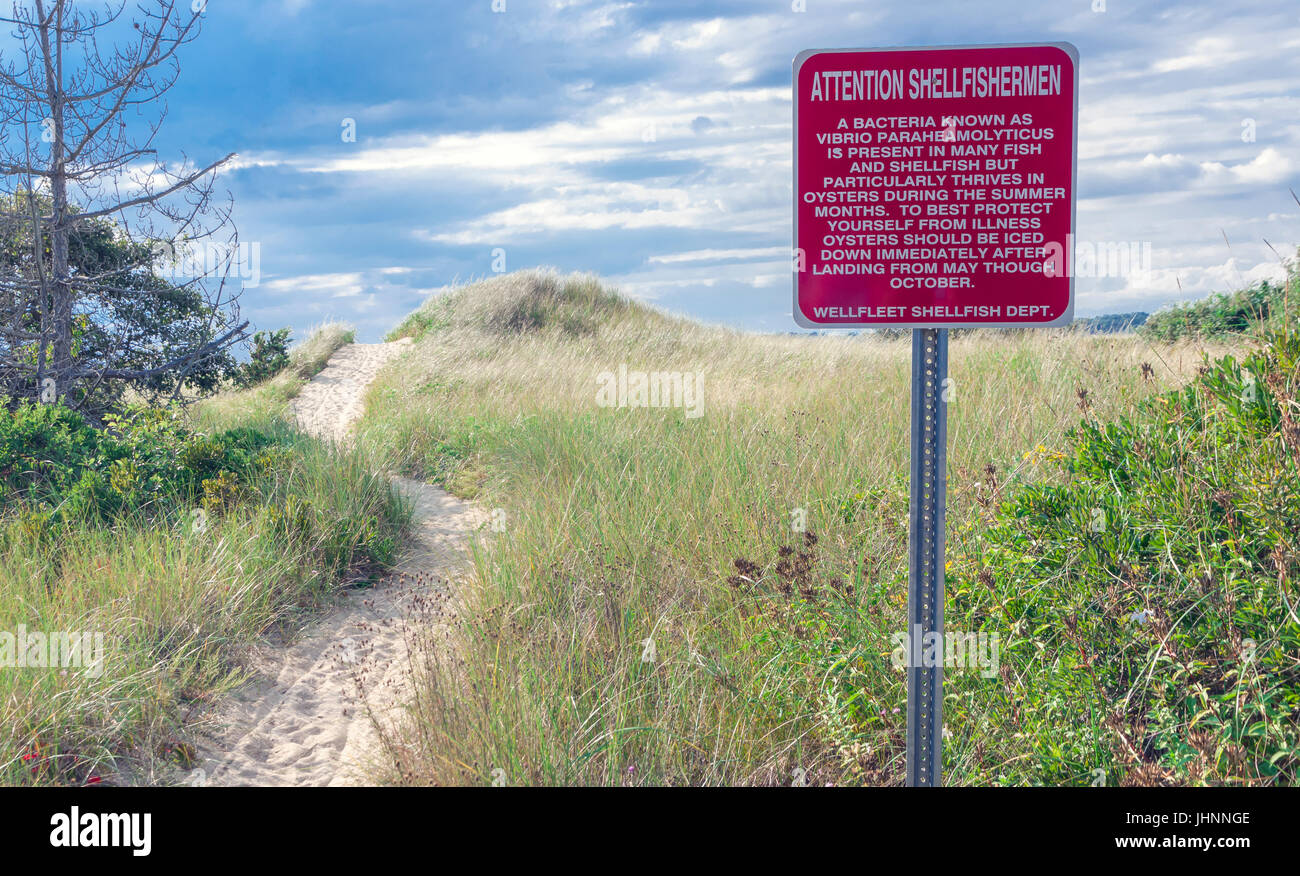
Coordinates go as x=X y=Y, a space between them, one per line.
x=629 y=625
x=177 y=590
x=1224 y=313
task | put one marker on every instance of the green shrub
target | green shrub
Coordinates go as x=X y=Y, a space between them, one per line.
x=222 y=493
x=1147 y=602
x=1218 y=315
x=144 y=459
x=270 y=356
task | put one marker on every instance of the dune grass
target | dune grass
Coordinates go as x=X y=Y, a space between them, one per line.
x=177 y=585
x=641 y=617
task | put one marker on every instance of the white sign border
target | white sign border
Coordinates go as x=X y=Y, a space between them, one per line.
x=1064 y=319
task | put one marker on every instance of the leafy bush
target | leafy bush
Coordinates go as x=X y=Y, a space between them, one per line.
x=1148 y=603
x=52 y=460
x=1218 y=315
x=1113 y=322
x=270 y=356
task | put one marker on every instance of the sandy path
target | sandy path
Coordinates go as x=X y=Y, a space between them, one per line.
x=332 y=401
x=302 y=722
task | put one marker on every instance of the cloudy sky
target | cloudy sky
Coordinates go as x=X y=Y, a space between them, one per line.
x=650 y=141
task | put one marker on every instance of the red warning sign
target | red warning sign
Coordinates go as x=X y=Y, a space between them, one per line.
x=934 y=187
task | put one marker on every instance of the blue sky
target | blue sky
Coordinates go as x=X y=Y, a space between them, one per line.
x=649 y=142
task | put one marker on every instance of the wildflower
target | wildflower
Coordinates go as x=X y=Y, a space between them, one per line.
x=34 y=756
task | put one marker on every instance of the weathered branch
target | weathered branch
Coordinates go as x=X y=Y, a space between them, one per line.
x=206 y=351
x=71 y=166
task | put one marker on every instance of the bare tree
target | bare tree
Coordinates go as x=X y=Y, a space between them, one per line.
x=77 y=176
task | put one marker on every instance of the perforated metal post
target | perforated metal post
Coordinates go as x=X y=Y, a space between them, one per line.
x=925 y=555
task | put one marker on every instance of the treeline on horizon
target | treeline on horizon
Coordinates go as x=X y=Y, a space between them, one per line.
x=1215 y=316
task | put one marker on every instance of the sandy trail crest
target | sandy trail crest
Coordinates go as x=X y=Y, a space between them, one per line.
x=333 y=400
x=301 y=722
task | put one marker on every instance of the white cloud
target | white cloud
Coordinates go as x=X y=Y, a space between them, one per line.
x=1192 y=281
x=1215 y=51
x=337 y=285
x=718 y=255
x=1268 y=168
x=1164 y=95
x=1175 y=172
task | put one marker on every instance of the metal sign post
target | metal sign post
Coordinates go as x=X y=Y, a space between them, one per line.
x=925 y=558
x=934 y=188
